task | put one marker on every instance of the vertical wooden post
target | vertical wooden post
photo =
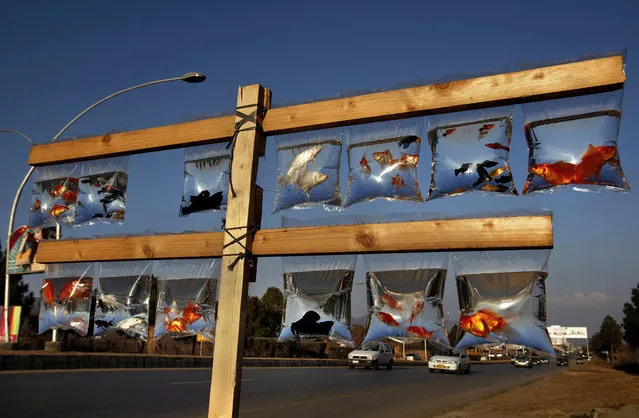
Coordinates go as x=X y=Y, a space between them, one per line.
x=224 y=399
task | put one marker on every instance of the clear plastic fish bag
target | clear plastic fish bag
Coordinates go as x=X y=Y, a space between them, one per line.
x=187 y=292
x=65 y=297
x=206 y=178
x=308 y=170
x=122 y=298
x=502 y=298
x=55 y=195
x=317 y=298
x=573 y=144
x=471 y=153
x=405 y=297
x=383 y=160
x=102 y=196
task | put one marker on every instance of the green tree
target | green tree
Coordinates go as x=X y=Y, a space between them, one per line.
x=253 y=314
x=19 y=294
x=273 y=299
x=609 y=334
x=631 y=319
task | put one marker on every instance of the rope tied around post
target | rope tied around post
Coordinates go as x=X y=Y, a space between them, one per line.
x=260 y=111
x=236 y=240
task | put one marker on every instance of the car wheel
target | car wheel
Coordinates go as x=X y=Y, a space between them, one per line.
x=375 y=365
x=389 y=366
x=468 y=369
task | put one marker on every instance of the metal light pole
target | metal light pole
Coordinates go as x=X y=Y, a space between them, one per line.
x=192 y=77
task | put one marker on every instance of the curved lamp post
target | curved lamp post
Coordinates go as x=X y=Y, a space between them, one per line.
x=192 y=77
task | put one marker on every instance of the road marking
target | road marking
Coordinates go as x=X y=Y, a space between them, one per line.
x=195 y=382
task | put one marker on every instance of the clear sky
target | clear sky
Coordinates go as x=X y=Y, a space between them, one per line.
x=59 y=57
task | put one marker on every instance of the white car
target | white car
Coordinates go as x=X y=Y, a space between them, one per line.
x=371 y=354
x=450 y=361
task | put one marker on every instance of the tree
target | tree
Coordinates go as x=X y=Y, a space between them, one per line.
x=273 y=299
x=631 y=320
x=609 y=337
x=19 y=294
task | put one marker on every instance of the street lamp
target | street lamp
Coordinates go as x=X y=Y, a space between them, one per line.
x=192 y=77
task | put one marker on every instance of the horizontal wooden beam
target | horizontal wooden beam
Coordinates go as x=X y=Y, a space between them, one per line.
x=555 y=81
x=522 y=232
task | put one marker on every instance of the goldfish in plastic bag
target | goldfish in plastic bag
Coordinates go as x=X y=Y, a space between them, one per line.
x=419 y=331
x=496 y=146
x=366 y=169
x=398 y=181
x=75 y=289
x=48 y=292
x=387 y=319
x=391 y=302
x=418 y=307
x=384 y=158
x=449 y=131
x=408 y=160
x=482 y=323
x=191 y=313
x=177 y=325
x=58 y=210
x=592 y=161
x=555 y=174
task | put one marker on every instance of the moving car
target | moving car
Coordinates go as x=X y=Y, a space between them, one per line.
x=580 y=360
x=562 y=360
x=450 y=361
x=523 y=362
x=371 y=354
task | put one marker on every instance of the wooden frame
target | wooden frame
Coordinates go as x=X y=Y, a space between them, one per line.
x=572 y=79
x=243 y=210
x=436 y=235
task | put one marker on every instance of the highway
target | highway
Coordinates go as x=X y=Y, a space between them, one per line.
x=266 y=392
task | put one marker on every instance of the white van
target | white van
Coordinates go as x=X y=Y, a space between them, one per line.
x=371 y=354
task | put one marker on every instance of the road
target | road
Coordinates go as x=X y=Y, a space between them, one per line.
x=266 y=392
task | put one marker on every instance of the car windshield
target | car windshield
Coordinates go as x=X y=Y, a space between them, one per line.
x=370 y=347
x=448 y=353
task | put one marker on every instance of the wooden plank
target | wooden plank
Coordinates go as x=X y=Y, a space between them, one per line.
x=241 y=210
x=572 y=79
x=446 y=235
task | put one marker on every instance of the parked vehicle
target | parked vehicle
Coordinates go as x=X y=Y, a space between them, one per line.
x=523 y=362
x=413 y=357
x=450 y=361
x=371 y=354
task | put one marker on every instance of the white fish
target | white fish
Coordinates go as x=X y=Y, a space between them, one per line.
x=79 y=325
x=109 y=303
x=309 y=179
x=298 y=165
x=135 y=327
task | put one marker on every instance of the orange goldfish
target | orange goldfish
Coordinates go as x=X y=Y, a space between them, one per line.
x=391 y=302
x=177 y=325
x=387 y=319
x=398 y=181
x=119 y=215
x=37 y=205
x=191 y=313
x=384 y=158
x=496 y=172
x=593 y=160
x=58 y=210
x=69 y=196
x=487 y=127
x=75 y=289
x=482 y=323
x=366 y=169
x=494 y=188
x=58 y=190
x=418 y=307
x=557 y=173
x=408 y=160
x=449 y=131
x=48 y=292
x=496 y=145
x=419 y=331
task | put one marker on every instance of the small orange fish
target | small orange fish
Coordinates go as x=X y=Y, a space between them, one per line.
x=119 y=215
x=58 y=210
x=482 y=323
x=177 y=325
x=487 y=127
x=418 y=307
x=75 y=289
x=366 y=169
x=387 y=319
x=398 y=181
x=496 y=145
x=496 y=172
x=191 y=313
x=555 y=174
x=391 y=302
x=592 y=161
x=69 y=196
x=48 y=292
x=449 y=131
x=408 y=160
x=37 y=205
x=494 y=188
x=384 y=158
x=419 y=331
x=58 y=190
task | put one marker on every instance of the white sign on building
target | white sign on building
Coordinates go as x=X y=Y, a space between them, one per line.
x=577 y=332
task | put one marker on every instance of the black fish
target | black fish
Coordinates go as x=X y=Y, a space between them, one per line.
x=204 y=201
x=103 y=324
x=483 y=175
x=504 y=179
x=308 y=325
x=405 y=141
x=464 y=168
x=488 y=164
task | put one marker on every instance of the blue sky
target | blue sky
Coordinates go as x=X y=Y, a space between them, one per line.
x=59 y=57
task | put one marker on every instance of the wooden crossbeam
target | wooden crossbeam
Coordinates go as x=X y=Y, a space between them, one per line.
x=572 y=79
x=438 y=235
